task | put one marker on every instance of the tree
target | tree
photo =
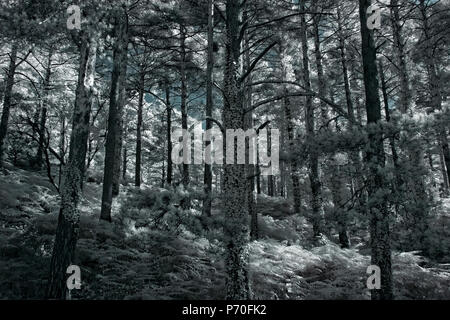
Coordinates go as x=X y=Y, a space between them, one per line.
x=115 y=124
x=236 y=227
x=209 y=107
x=375 y=157
x=69 y=214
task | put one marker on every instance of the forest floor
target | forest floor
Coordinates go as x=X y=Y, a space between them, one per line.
x=130 y=260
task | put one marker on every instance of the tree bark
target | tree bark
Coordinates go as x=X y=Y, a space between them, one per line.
x=207 y=179
x=7 y=99
x=379 y=212
x=399 y=48
x=248 y=124
x=137 y=176
x=316 y=201
x=184 y=115
x=169 y=136
x=117 y=98
x=43 y=121
x=236 y=228
x=69 y=214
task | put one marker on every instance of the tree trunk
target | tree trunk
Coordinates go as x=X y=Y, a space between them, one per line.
x=62 y=147
x=294 y=165
x=236 y=228
x=399 y=48
x=250 y=158
x=137 y=176
x=207 y=179
x=169 y=136
x=48 y=73
x=7 y=99
x=69 y=214
x=117 y=98
x=124 y=165
x=444 y=172
x=184 y=115
x=379 y=212
x=185 y=203
x=320 y=74
x=289 y=123
x=316 y=201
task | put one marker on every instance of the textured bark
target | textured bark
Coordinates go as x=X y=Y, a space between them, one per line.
x=379 y=213
x=316 y=201
x=207 y=179
x=69 y=215
x=137 y=175
x=7 y=99
x=236 y=228
x=248 y=124
x=117 y=98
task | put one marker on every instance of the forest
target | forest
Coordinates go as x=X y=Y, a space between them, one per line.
x=224 y=150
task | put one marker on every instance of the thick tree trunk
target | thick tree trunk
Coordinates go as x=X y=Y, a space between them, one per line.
x=69 y=214
x=7 y=99
x=117 y=98
x=137 y=176
x=234 y=196
x=379 y=212
x=250 y=158
x=316 y=201
x=207 y=179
